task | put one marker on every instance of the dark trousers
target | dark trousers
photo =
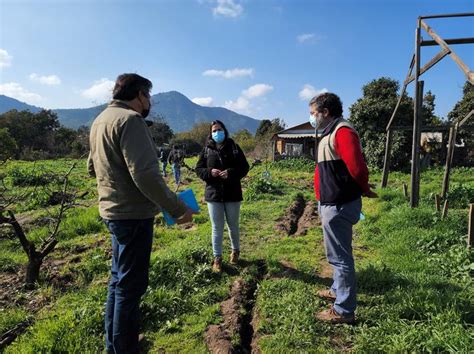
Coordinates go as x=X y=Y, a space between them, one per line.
x=131 y=248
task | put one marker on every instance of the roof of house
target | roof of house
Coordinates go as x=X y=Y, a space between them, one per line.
x=304 y=130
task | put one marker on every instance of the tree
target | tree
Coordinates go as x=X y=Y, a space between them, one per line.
x=198 y=133
x=370 y=114
x=269 y=127
x=31 y=131
x=264 y=134
x=160 y=130
x=245 y=140
x=464 y=156
x=36 y=253
x=8 y=145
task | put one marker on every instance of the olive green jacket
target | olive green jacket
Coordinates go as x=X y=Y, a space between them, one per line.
x=123 y=159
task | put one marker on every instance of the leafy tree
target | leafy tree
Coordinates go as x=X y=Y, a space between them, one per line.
x=8 y=145
x=464 y=155
x=160 y=130
x=370 y=115
x=31 y=131
x=245 y=140
x=263 y=136
x=428 y=115
x=269 y=127
x=198 y=133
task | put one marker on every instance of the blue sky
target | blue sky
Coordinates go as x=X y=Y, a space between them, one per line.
x=261 y=58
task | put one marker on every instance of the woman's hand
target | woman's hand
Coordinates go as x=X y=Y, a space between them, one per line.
x=215 y=172
x=224 y=174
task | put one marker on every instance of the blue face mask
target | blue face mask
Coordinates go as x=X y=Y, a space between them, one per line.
x=218 y=136
x=312 y=121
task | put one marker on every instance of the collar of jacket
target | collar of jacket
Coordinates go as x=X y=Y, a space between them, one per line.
x=212 y=144
x=121 y=104
x=331 y=126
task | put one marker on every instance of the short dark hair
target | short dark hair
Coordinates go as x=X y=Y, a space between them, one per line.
x=128 y=86
x=330 y=101
x=226 y=132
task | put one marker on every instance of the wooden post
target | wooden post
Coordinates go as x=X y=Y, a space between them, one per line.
x=449 y=159
x=415 y=155
x=445 y=210
x=437 y=203
x=386 y=160
x=405 y=190
x=470 y=233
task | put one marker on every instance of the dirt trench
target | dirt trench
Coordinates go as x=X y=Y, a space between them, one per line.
x=235 y=334
x=299 y=217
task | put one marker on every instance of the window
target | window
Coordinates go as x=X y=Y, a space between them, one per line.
x=294 y=149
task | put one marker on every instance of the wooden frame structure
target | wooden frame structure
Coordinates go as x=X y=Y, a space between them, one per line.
x=418 y=103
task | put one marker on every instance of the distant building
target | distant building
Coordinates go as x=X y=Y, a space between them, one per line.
x=297 y=141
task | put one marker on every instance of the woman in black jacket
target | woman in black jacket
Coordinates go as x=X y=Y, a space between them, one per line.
x=222 y=164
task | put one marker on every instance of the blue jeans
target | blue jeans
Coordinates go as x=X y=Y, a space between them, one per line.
x=337 y=222
x=231 y=212
x=164 y=164
x=131 y=248
x=176 y=167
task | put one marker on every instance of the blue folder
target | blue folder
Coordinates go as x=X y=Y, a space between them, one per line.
x=188 y=197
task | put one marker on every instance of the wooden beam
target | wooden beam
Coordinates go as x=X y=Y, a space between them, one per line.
x=386 y=159
x=462 y=14
x=444 y=215
x=468 y=40
x=415 y=152
x=449 y=159
x=470 y=232
x=469 y=74
x=431 y=128
x=437 y=203
x=436 y=59
x=405 y=190
x=469 y=115
x=410 y=69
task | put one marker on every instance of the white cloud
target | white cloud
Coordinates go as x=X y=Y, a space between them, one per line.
x=308 y=38
x=227 y=8
x=15 y=90
x=242 y=104
x=308 y=92
x=305 y=37
x=46 y=80
x=257 y=90
x=203 y=101
x=100 y=91
x=5 y=59
x=230 y=73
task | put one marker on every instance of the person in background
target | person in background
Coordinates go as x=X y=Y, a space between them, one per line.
x=340 y=179
x=131 y=192
x=222 y=164
x=164 y=152
x=175 y=159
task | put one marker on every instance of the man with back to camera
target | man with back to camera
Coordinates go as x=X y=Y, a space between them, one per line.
x=131 y=191
x=340 y=179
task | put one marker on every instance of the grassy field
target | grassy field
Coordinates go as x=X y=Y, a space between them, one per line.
x=415 y=274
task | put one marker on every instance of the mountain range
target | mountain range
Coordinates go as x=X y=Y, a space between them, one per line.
x=180 y=113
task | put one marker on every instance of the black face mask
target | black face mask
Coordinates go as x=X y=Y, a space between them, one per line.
x=146 y=112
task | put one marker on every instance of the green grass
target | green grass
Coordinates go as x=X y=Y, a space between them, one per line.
x=415 y=274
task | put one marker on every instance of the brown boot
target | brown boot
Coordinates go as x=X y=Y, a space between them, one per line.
x=326 y=294
x=217 y=265
x=333 y=317
x=234 y=257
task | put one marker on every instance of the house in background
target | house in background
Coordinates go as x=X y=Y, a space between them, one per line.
x=297 y=141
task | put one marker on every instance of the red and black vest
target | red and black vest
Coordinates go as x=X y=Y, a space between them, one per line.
x=336 y=185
